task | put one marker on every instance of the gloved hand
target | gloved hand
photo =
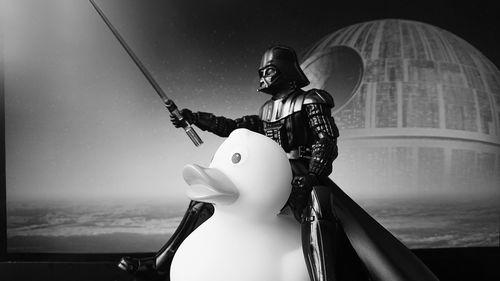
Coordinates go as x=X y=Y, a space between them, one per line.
x=301 y=190
x=305 y=181
x=188 y=116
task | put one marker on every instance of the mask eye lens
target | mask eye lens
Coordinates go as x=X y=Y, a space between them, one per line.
x=269 y=71
x=236 y=158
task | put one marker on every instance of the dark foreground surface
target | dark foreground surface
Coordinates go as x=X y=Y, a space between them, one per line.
x=457 y=264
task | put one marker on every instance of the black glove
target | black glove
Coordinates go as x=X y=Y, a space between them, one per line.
x=301 y=190
x=188 y=116
x=305 y=181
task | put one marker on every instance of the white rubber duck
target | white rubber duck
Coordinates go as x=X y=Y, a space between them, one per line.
x=248 y=182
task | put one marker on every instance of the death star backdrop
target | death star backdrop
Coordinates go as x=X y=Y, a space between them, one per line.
x=426 y=116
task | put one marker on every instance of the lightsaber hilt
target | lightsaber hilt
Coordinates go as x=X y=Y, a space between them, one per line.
x=172 y=107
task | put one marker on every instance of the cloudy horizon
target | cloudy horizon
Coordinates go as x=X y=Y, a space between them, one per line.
x=119 y=227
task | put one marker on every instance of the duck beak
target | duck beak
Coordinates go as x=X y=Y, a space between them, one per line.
x=209 y=185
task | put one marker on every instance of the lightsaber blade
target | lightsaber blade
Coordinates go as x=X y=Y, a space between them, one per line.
x=169 y=103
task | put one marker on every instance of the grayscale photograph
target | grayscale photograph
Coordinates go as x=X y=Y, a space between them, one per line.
x=249 y=140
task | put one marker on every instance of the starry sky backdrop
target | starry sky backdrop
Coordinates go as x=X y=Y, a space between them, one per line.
x=82 y=123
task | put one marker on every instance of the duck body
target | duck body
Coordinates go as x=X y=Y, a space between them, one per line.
x=226 y=247
x=246 y=239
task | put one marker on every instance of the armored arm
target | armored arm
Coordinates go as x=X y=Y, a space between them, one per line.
x=250 y=122
x=220 y=125
x=318 y=106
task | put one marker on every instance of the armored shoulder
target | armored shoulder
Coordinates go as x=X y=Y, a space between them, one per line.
x=318 y=96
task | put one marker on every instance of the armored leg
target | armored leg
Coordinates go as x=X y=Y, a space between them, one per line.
x=319 y=235
x=328 y=252
x=158 y=267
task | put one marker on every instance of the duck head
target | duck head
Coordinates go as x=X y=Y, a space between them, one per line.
x=249 y=174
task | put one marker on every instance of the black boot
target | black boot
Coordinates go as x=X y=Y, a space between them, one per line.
x=158 y=267
x=141 y=268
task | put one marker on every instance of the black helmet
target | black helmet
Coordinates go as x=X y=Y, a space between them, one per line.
x=280 y=68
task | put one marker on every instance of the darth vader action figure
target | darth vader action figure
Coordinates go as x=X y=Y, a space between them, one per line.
x=302 y=123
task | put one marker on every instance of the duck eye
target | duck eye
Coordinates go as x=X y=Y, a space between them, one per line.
x=236 y=158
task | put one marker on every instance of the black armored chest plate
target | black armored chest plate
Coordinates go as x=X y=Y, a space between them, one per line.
x=284 y=121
